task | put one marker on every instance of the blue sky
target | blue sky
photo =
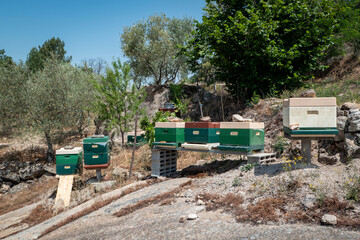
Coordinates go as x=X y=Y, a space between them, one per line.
x=89 y=28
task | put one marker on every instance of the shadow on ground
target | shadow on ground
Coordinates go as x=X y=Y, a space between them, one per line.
x=214 y=167
x=277 y=168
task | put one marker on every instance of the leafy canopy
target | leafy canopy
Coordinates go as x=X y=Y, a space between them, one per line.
x=118 y=100
x=4 y=59
x=152 y=47
x=263 y=46
x=52 y=47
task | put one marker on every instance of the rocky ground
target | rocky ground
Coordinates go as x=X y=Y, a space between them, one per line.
x=278 y=199
x=264 y=202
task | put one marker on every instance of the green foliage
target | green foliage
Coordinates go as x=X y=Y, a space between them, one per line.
x=179 y=98
x=255 y=98
x=345 y=90
x=349 y=31
x=12 y=96
x=280 y=143
x=118 y=100
x=55 y=98
x=263 y=46
x=353 y=188
x=149 y=126
x=4 y=59
x=152 y=47
x=237 y=182
x=248 y=167
x=52 y=48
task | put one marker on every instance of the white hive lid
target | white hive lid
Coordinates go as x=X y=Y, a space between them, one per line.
x=64 y=151
x=242 y=125
x=170 y=125
x=310 y=102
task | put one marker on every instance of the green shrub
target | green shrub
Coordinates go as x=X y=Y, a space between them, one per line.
x=149 y=126
x=280 y=143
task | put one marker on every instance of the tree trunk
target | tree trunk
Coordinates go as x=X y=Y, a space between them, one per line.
x=122 y=138
x=134 y=147
x=50 y=151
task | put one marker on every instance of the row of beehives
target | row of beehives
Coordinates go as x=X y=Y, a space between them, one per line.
x=96 y=149
x=302 y=117
x=237 y=136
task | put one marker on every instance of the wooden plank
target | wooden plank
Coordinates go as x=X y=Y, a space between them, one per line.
x=64 y=189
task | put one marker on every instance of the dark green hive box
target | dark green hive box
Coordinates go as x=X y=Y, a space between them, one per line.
x=170 y=132
x=140 y=138
x=202 y=132
x=96 y=150
x=68 y=161
x=242 y=136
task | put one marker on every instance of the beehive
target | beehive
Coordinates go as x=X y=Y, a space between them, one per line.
x=68 y=161
x=140 y=138
x=96 y=152
x=202 y=132
x=169 y=134
x=309 y=117
x=242 y=136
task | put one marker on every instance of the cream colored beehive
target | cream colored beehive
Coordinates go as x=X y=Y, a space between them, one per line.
x=309 y=116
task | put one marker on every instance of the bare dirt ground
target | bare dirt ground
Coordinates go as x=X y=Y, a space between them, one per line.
x=232 y=200
x=235 y=204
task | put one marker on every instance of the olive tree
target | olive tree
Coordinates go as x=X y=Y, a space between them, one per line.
x=152 y=47
x=55 y=98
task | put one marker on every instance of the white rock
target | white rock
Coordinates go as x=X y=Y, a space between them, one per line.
x=192 y=216
x=205 y=119
x=329 y=219
x=101 y=186
x=119 y=171
x=200 y=202
x=5 y=188
x=174 y=119
x=199 y=209
x=238 y=118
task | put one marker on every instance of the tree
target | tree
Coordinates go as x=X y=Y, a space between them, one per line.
x=152 y=47
x=52 y=47
x=117 y=99
x=263 y=46
x=4 y=59
x=350 y=25
x=56 y=98
x=12 y=95
x=94 y=65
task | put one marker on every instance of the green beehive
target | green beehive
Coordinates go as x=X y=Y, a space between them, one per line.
x=96 y=151
x=242 y=136
x=170 y=134
x=140 y=138
x=202 y=132
x=68 y=160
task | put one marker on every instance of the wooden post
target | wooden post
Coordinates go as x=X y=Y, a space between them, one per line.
x=98 y=174
x=306 y=150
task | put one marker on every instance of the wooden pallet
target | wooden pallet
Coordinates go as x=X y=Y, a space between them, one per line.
x=261 y=158
x=64 y=189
